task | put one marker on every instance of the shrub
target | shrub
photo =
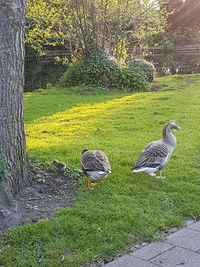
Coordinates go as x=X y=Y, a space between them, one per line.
x=72 y=77
x=146 y=66
x=133 y=78
x=96 y=67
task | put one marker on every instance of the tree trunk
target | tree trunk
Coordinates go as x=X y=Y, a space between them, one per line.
x=12 y=137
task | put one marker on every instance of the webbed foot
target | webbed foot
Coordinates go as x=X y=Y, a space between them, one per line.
x=151 y=174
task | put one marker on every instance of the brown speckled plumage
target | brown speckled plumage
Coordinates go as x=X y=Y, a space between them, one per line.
x=95 y=160
x=156 y=154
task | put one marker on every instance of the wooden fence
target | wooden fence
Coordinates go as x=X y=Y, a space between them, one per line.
x=176 y=49
x=51 y=54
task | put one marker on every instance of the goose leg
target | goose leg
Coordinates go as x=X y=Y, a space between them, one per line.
x=160 y=176
x=89 y=183
x=94 y=184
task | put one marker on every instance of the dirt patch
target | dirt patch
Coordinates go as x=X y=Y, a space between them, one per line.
x=156 y=87
x=50 y=190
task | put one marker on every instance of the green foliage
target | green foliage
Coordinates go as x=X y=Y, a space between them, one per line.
x=146 y=66
x=96 y=67
x=182 y=24
x=73 y=76
x=163 y=39
x=111 y=24
x=133 y=78
x=2 y=163
x=74 y=174
x=44 y=21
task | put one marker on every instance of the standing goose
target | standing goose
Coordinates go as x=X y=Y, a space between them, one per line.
x=156 y=154
x=95 y=166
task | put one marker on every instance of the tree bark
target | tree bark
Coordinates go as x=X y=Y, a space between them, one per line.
x=12 y=136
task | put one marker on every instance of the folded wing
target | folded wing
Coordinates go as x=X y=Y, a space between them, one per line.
x=154 y=155
x=95 y=160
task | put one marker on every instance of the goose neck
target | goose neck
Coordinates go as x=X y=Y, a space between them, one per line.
x=166 y=132
x=168 y=137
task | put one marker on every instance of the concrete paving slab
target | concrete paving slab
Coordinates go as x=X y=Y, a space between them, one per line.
x=181 y=248
x=185 y=238
x=177 y=257
x=194 y=226
x=130 y=261
x=189 y=221
x=152 y=250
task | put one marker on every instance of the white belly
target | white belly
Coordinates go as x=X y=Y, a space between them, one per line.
x=96 y=175
x=147 y=170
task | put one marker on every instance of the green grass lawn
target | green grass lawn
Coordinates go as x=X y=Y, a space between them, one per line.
x=126 y=207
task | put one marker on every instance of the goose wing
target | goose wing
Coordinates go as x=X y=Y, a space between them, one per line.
x=95 y=160
x=154 y=155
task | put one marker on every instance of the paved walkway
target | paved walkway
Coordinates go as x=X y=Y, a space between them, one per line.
x=181 y=248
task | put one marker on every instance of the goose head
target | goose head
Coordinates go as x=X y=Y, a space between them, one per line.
x=85 y=150
x=167 y=135
x=173 y=125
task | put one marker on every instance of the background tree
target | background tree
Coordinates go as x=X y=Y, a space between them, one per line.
x=183 y=23
x=12 y=138
x=112 y=25
x=189 y=15
x=173 y=7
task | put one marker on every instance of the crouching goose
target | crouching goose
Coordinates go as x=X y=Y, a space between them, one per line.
x=61 y=166
x=95 y=166
x=156 y=154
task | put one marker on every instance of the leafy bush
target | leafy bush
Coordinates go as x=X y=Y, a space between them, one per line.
x=96 y=67
x=133 y=78
x=73 y=76
x=146 y=66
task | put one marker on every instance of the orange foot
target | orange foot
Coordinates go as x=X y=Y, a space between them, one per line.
x=91 y=185
x=90 y=188
x=94 y=184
